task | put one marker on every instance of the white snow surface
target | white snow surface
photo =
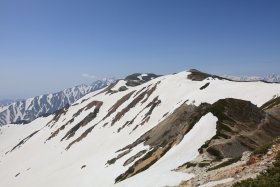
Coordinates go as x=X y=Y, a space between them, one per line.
x=47 y=164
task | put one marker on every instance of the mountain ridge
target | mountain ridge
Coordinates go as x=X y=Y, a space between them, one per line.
x=135 y=136
x=25 y=111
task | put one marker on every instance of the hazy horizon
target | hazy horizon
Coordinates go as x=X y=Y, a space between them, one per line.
x=11 y=98
x=47 y=46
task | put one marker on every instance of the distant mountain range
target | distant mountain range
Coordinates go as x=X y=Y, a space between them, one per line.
x=24 y=111
x=269 y=78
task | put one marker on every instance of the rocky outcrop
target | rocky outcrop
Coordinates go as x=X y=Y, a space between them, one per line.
x=165 y=135
x=248 y=165
x=144 y=96
x=23 y=141
x=86 y=120
x=242 y=147
x=139 y=78
x=197 y=75
x=241 y=127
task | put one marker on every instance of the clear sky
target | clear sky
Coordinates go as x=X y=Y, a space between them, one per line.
x=48 y=45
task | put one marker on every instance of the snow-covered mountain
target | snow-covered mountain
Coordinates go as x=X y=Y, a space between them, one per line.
x=270 y=78
x=143 y=135
x=99 y=84
x=27 y=110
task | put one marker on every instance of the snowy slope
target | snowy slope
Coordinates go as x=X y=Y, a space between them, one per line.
x=97 y=141
x=27 y=110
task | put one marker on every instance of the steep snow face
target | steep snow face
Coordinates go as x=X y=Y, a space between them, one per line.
x=29 y=109
x=91 y=143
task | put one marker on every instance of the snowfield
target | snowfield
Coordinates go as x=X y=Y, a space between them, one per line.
x=38 y=162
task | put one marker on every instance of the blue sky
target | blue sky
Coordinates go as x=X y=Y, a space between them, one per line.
x=46 y=46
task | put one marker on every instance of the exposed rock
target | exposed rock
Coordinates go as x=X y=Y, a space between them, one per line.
x=56 y=132
x=24 y=140
x=152 y=105
x=58 y=114
x=241 y=127
x=98 y=104
x=271 y=103
x=112 y=161
x=133 y=103
x=84 y=134
x=144 y=163
x=133 y=158
x=165 y=135
x=200 y=76
x=118 y=104
x=122 y=88
x=17 y=175
x=247 y=167
x=140 y=91
x=205 y=86
x=85 y=121
x=138 y=78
